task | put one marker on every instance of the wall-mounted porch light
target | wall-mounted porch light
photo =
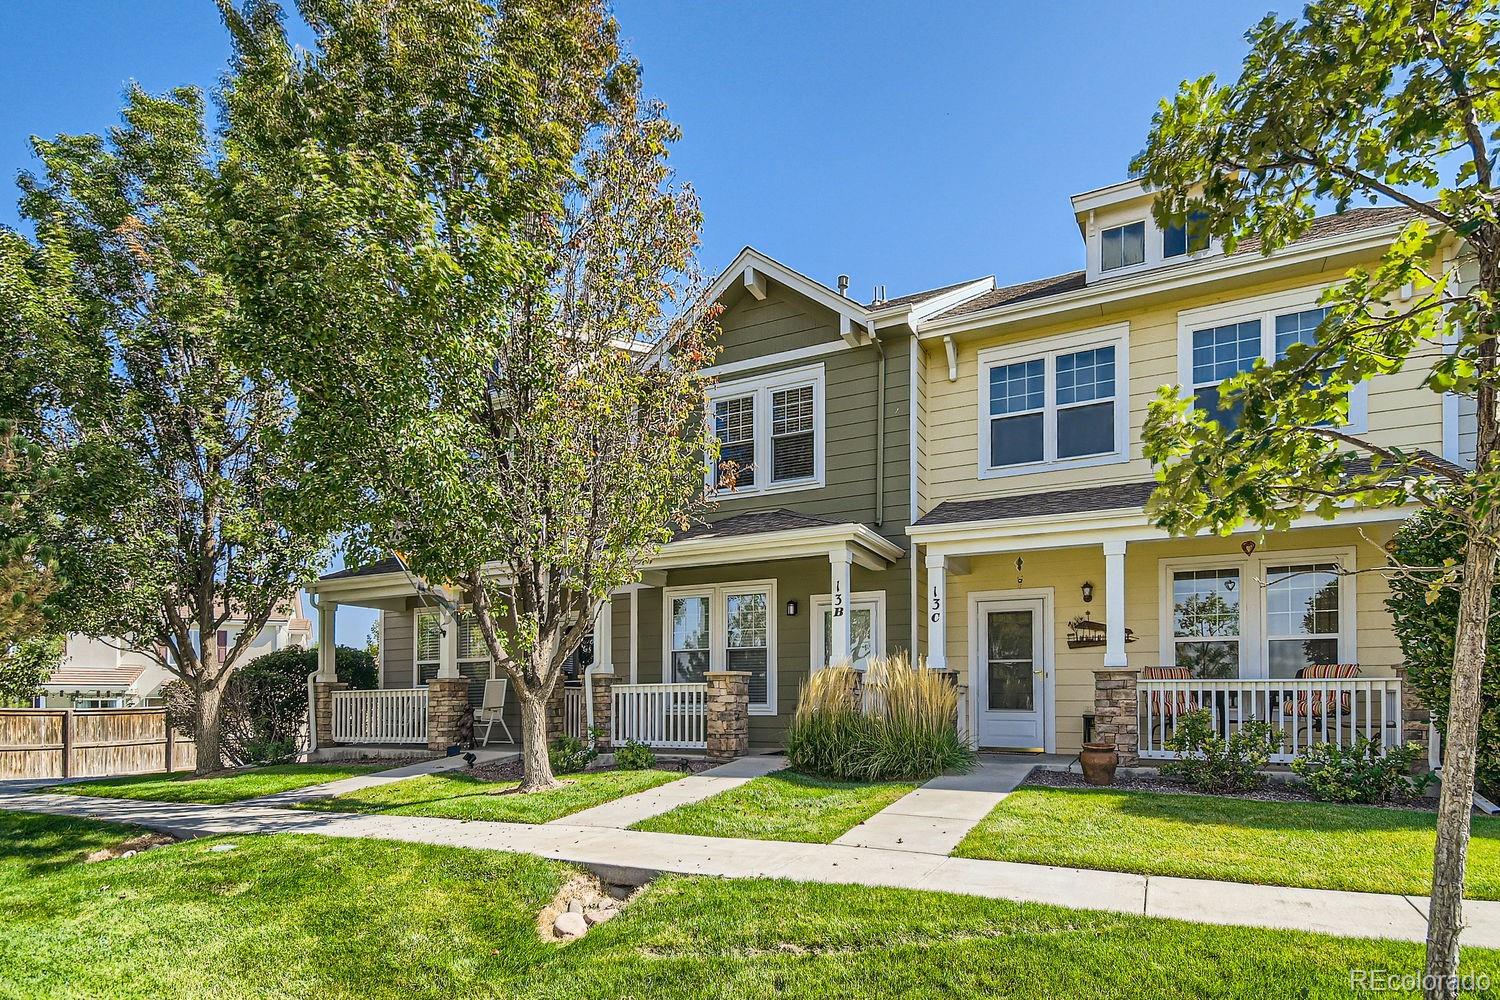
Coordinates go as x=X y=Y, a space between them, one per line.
x=791 y=609
x=1088 y=592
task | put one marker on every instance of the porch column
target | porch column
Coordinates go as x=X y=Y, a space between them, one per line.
x=937 y=612
x=448 y=652
x=604 y=639
x=1114 y=603
x=838 y=650
x=327 y=612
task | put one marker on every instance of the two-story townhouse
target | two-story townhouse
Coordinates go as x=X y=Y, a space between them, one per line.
x=959 y=472
x=1043 y=581
x=803 y=559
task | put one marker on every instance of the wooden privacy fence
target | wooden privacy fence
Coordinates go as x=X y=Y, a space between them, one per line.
x=63 y=743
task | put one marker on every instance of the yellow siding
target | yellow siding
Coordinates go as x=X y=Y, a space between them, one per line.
x=1400 y=411
x=1065 y=570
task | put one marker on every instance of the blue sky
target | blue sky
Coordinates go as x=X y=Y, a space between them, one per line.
x=909 y=144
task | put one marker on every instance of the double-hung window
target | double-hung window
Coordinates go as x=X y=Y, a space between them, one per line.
x=1220 y=342
x=728 y=626
x=1060 y=406
x=429 y=644
x=770 y=432
x=866 y=628
x=1270 y=615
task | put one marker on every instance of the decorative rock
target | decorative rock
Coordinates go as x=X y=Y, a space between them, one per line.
x=574 y=906
x=570 y=925
x=597 y=915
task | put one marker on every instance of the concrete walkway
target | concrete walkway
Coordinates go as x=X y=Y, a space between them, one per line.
x=1347 y=914
x=627 y=811
x=935 y=817
x=343 y=786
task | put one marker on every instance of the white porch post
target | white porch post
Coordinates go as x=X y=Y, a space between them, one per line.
x=1114 y=604
x=327 y=610
x=448 y=653
x=937 y=612
x=604 y=639
x=838 y=651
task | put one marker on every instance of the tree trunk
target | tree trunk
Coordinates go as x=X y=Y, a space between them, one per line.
x=209 y=743
x=536 y=774
x=1445 y=912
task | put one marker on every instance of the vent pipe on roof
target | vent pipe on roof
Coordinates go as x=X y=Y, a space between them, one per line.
x=844 y=285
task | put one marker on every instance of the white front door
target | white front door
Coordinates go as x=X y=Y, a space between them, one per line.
x=1010 y=671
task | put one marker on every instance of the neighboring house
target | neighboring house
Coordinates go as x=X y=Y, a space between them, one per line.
x=110 y=673
x=962 y=468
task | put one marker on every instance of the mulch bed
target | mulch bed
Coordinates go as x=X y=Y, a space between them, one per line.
x=1271 y=791
x=510 y=770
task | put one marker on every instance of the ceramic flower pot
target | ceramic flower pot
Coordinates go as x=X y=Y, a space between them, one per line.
x=1099 y=761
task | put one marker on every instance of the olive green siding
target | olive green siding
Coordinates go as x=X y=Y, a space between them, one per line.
x=796 y=580
x=396 y=648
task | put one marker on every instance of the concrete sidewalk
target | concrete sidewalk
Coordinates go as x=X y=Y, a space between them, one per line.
x=343 y=786
x=1347 y=914
x=624 y=812
x=935 y=817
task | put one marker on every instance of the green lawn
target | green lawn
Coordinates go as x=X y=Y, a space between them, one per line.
x=1363 y=848
x=459 y=796
x=248 y=784
x=782 y=806
x=339 y=919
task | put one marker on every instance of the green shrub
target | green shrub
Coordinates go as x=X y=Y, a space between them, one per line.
x=1363 y=771
x=569 y=754
x=1210 y=763
x=902 y=726
x=634 y=756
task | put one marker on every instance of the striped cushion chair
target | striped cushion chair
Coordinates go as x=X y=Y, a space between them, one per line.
x=1310 y=703
x=1184 y=702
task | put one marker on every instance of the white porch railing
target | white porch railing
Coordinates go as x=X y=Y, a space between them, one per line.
x=397 y=715
x=672 y=716
x=574 y=723
x=1336 y=710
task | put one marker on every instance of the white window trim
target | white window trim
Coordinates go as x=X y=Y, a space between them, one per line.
x=718 y=629
x=1048 y=349
x=1254 y=656
x=1264 y=308
x=819 y=603
x=761 y=388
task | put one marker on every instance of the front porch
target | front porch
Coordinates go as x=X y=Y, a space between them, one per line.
x=1070 y=623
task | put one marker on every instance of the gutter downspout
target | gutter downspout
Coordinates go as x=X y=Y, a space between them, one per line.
x=312 y=695
x=879 y=430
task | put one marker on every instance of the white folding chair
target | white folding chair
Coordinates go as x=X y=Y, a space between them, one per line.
x=492 y=710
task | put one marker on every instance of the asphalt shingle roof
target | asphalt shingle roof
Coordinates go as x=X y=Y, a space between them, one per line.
x=390 y=564
x=916 y=297
x=753 y=522
x=1322 y=227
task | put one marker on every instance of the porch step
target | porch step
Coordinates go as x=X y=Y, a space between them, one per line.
x=934 y=818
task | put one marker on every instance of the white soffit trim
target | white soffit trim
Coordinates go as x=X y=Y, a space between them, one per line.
x=1093 y=527
x=868 y=548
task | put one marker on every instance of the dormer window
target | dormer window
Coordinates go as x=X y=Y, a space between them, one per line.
x=1192 y=237
x=1122 y=246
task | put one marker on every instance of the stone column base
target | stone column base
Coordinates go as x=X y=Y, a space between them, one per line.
x=1115 y=712
x=323 y=709
x=603 y=688
x=447 y=707
x=728 y=721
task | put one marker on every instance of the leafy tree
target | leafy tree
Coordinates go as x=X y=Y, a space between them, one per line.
x=25 y=666
x=474 y=266
x=1354 y=100
x=1426 y=622
x=178 y=503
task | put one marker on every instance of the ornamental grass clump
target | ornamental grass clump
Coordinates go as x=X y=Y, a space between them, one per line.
x=899 y=723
